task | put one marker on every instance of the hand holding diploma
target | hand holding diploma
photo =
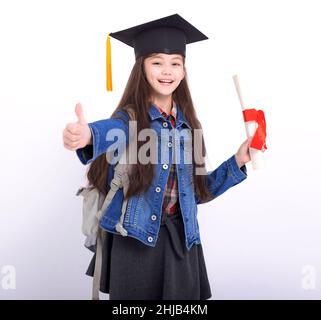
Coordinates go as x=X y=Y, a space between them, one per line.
x=242 y=155
x=255 y=129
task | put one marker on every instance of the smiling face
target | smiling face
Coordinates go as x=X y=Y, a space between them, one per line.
x=164 y=72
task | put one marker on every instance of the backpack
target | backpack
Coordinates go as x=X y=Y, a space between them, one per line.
x=95 y=205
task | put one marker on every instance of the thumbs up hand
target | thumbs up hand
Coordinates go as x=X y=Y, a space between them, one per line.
x=77 y=135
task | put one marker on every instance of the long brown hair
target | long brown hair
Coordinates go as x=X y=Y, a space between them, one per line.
x=136 y=98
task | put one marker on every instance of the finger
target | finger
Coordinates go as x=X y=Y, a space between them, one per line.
x=70 y=141
x=80 y=114
x=73 y=128
x=70 y=145
x=71 y=136
x=66 y=145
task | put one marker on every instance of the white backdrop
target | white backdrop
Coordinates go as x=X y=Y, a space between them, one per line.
x=261 y=239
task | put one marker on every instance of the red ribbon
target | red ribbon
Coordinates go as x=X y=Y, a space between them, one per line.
x=258 y=141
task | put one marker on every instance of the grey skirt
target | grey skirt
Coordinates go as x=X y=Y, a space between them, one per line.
x=132 y=270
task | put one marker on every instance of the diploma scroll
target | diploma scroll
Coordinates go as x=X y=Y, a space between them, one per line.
x=255 y=127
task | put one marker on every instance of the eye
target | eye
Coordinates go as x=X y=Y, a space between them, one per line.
x=176 y=64
x=156 y=63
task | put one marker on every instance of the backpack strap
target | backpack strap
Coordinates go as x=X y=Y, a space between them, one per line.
x=98 y=264
x=121 y=172
x=120 y=179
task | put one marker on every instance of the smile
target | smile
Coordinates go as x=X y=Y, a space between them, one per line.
x=166 y=82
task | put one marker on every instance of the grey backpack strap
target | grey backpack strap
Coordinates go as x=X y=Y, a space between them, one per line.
x=98 y=265
x=125 y=183
x=120 y=179
x=115 y=185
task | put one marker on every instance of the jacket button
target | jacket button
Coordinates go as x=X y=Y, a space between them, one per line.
x=153 y=217
x=165 y=124
x=165 y=166
x=150 y=239
x=158 y=189
x=169 y=144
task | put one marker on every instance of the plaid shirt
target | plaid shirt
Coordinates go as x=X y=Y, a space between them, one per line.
x=170 y=202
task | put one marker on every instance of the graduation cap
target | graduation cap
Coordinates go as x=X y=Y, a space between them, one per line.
x=166 y=35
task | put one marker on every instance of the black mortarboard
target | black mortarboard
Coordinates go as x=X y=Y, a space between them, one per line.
x=166 y=35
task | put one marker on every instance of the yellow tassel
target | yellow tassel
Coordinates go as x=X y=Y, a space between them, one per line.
x=109 y=81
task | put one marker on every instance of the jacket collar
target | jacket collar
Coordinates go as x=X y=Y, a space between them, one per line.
x=154 y=113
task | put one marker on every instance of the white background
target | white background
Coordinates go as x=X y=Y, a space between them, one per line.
x=258 y=236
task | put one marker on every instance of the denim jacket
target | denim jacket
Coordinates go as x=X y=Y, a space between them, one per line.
x=143 y=214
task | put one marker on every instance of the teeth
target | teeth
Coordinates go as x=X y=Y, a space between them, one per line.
x=166 y=81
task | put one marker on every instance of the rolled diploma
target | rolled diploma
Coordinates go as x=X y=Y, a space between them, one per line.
x=250 y=126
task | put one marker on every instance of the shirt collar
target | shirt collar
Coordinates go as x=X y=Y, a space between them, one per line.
x=155 y=113
x=173 y=111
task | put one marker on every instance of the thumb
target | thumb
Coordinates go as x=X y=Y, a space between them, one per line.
x=80 y=114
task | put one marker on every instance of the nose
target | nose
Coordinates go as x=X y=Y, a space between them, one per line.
x=166 y=70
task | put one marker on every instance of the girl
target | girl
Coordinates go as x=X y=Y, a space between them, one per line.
x=158 y=254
